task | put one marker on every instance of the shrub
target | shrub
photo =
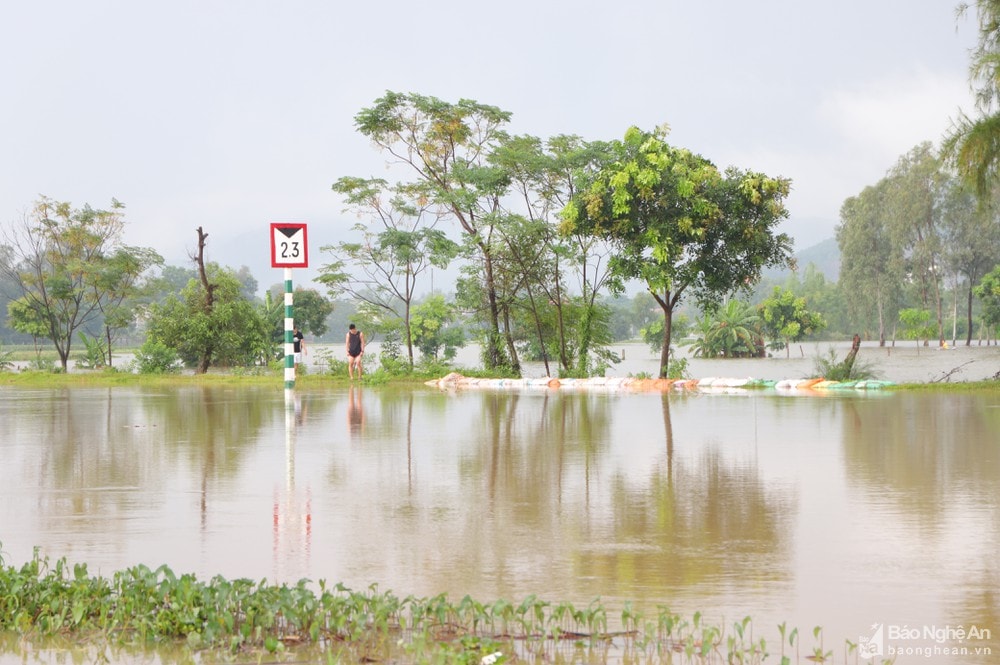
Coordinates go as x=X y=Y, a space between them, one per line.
x=156 y=358
x=838 y=370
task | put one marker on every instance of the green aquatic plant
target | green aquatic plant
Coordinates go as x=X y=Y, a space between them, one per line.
x=144 y=607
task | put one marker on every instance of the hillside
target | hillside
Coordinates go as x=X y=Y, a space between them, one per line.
x=825 y=256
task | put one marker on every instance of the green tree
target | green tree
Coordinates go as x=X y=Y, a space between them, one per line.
x=971 y=235
x=826 y=299
x=679 y=225
x=786 y=319
x=558 y=278
x=988 y=292
x=248 y=283
x=917 y=324
x=230 y=332
x=118 y=286
x=171 y=279
x=730 y=331
x=70 y=268
x=433 y=332
x=872 y=271
x=311 y=311
x=447 y=147
x=915 y=189
x=385 y=267
x=26 y=317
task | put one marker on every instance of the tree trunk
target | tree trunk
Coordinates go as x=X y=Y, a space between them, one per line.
x=968 y=317
x=515 y=362
x=560 y=322
x=492 y=355
x=666 y=303
x=206 y=354
x=107 y=334
x=538 y=331
x=852 y=354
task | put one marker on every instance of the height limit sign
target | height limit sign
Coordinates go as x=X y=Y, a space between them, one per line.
x=289 y=248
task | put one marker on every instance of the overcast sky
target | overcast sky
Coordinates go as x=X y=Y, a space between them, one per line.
x=231 y=115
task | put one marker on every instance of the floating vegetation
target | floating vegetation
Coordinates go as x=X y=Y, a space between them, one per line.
x=241 y=619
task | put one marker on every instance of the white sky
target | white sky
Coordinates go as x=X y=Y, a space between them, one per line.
x=231 y=115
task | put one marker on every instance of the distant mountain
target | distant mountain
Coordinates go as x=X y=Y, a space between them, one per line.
x=825 y=256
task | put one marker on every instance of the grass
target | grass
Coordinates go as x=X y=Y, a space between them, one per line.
x=243 y=619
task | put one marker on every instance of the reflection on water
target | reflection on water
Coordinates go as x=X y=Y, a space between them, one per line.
x=841 y=511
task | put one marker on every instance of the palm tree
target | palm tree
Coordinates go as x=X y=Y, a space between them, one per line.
x=736 y=330
x=973 y=144
x=730 y=332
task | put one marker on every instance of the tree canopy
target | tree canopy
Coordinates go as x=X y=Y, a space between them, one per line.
x=680 y=225
x=71 y=268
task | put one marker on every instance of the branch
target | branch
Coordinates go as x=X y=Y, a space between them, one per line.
x=947 y=375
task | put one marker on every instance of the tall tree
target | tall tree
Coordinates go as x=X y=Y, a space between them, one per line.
x=570 y=271
x=871 y=269
x=398 y=245
x=914 y=192
x=680 y=225
x=971 y=235
x=447 y=147
x=70 y=267
x=118 y=283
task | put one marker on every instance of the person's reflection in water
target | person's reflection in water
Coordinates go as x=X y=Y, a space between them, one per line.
x=355 y=412
x=300 y=413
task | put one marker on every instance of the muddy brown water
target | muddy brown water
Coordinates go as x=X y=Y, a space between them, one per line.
x=850 y=511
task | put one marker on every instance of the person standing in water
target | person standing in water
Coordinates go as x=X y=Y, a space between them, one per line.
x=355 y=342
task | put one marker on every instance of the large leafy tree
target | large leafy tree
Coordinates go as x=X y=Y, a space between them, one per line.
x=71 y=269
x=230 y=331
x=211 y=322
x=446 y=146
x=680 y=225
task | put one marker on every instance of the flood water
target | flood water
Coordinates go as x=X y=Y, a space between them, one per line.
x=845 y=511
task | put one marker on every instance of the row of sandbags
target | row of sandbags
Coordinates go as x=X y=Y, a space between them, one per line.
x=456 y=380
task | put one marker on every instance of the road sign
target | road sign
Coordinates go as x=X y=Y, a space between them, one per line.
x=289 y=248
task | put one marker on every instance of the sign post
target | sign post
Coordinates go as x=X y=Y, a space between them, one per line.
x=289 y=249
